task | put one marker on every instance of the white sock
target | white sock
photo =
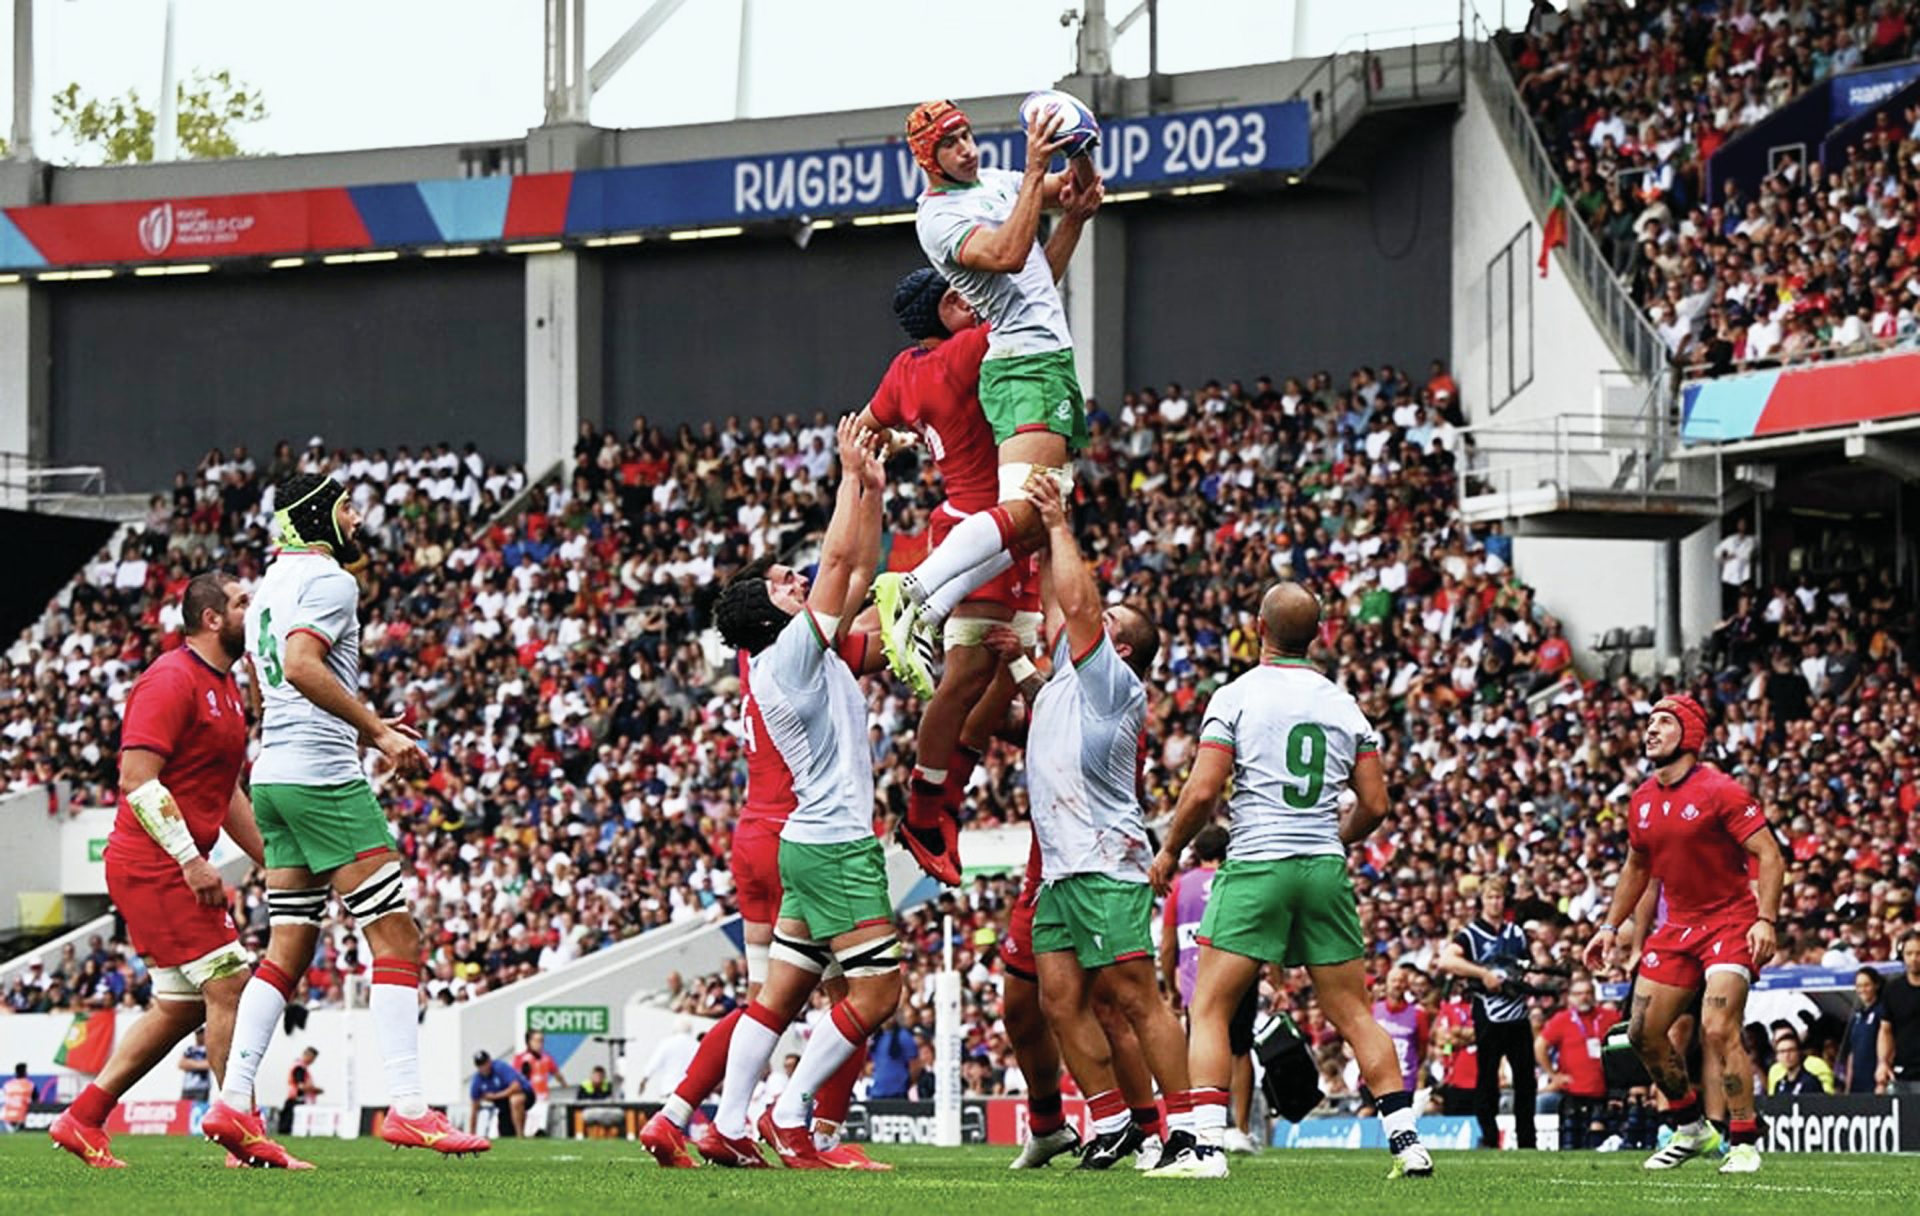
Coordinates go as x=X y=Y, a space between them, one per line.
x=253 y=1023
x=747 y=1055
x=678 y=1111
x=972 y=541
x=825 y=1141
x=396 y=1024
x=1179 y=1121
x=826 y=1051
x=1208 y=1122
x=1401 y=1120
x=953 y=593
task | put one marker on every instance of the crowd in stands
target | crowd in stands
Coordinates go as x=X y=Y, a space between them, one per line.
x=1633 y=101
x=583 y=718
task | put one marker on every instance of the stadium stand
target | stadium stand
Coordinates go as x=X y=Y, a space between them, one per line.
x=1812 y=260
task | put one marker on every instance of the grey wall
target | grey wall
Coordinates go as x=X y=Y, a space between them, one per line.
x=703 y=329
x=1240 y=284
x=147 y=375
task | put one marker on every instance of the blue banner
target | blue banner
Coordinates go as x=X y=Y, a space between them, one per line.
x=1201 y=145
x=1858 y=92
x=1347 y=1131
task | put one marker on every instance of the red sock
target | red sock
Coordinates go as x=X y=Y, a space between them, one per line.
x=1148 y=1117
x=1743 y=1131
x=93 y=1106
x=1043 y=1115
x=830 y=1104
x=709 y=1064
x=926 y=804
x=960 y=768
x=1107 y=1106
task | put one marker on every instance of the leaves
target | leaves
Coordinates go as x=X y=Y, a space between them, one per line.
x=120 y=129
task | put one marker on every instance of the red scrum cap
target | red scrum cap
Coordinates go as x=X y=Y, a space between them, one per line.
x=1692 y=719
x=931 y=122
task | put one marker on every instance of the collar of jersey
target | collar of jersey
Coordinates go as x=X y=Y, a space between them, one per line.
x=1287 y=662
x=953 y=187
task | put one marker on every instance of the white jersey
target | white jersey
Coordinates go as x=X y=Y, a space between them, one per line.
x=1295 y=737
x=300 y=743
x=817 y=721
x=1083 y=754
x=1024 y=306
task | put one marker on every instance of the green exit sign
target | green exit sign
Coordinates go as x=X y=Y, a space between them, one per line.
x=568 y=1019
x=97 y=849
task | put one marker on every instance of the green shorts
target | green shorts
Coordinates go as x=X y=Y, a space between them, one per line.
x=319 y=827
x=1034 y=393
x=1299 y=911
x=1101 y=919
x=834 y=888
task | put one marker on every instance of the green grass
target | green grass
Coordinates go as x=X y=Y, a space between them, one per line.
x=600 y=1178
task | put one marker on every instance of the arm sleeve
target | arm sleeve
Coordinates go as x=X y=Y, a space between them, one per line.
x=1108 y=682
x=328 y=607
x=943 y=232
x=1464 y=940
x=1740 y=811
x=1220 y=727
x=1366 y=740
x=158 y=713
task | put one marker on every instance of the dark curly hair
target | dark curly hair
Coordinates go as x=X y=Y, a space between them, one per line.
x=746 y=615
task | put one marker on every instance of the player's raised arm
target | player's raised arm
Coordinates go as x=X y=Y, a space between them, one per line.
x=1072 y=593
x=840 y=552
x=1080 y=202
x=1004 y=249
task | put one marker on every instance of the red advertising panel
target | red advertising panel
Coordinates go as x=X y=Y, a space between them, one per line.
x=186 y=229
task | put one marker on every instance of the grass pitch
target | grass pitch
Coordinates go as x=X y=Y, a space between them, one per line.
x=363 y=1177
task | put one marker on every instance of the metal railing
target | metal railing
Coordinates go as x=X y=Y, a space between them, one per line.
x=1350 y=81
x=1621 y=320
x=1620 y=463
x=26 y=483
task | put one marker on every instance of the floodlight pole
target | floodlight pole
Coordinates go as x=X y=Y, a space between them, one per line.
x=21 y=144
x=743 y=69
x=166 y=126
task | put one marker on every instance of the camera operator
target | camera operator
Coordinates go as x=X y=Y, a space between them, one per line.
x=1493 y=952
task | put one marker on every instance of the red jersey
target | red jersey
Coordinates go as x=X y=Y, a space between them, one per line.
x=1694 y=836
x=1461 y=1069
x=538 y=1070
x=1576 y=1039
x=770 y=795
x=189 y=714
x=935 y=391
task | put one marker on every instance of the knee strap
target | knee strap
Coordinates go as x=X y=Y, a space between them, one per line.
x=299 y=906
x=381 y=895
x=810 y=956
x=868 y=959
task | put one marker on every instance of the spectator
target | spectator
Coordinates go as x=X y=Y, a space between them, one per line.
x=1898 y=1070
x=495 y=1083
x=1735 y=553
x=196 y=1075
x=1863 y=1032
x=1568 y=1052
x=1794 y=1071
x=301 y=1088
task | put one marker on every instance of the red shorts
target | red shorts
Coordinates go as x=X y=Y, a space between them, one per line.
x=755 y=862
x=1683 y=955
x=1016 y=954
x=165 y=922
x=1009 y=588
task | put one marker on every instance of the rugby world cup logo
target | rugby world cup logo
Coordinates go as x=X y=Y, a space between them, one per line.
x=156 y=229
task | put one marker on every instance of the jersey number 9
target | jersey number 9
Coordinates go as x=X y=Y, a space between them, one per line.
x=1307 y=760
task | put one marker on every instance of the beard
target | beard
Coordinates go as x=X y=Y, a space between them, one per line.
x=233 y=642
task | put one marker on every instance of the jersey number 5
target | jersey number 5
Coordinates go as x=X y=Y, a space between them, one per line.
x=1307 y=760
x=270 y=650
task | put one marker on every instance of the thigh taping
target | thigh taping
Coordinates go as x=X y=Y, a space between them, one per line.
x=758 y=954
x=868 y=959
x=298 y=906
x=810 y=956
x=1013 y=480
x=381 y=895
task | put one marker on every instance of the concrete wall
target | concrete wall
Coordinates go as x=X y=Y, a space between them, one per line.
x=29 y=862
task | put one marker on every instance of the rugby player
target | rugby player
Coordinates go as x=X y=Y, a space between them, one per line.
x=183 y=742
x=322 y=827
x=834 y=905
x=979 y=228
x=1292 y=741
x=1694 y=828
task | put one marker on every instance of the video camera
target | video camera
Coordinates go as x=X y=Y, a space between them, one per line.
x=1526 y=978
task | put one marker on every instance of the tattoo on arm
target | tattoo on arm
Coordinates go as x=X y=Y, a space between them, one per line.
x=1717 y=1002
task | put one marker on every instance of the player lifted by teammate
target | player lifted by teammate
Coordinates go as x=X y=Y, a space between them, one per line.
x=1291 y=741
x=933 y=388
x=1093 y=926
x=322 y=826
x=834 y=906
x=979 y=228
x=1694 y=828
x=182 y=744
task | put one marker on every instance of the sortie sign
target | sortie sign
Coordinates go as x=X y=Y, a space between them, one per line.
x=568 y=1019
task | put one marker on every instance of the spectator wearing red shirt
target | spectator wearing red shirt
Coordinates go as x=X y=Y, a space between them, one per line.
x=1568 y=1051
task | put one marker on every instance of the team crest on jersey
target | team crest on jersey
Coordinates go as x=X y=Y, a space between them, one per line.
x=213 y=703
x=1646 y=809
x=1690 y=812
x=1650 y=959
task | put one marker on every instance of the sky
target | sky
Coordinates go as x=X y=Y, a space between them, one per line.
x=342 y=74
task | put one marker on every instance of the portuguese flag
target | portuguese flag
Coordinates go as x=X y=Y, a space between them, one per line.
x=1553 y=229
x=89 y=1042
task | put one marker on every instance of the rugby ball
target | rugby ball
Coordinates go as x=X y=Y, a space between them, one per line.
x=1080 y=127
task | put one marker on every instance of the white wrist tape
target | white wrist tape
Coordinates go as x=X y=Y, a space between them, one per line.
x=150 y=803
x=1021 y=668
